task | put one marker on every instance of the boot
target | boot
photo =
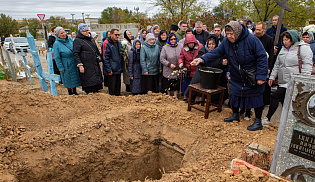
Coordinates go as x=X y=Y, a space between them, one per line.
x=70 y=91
x=234 y=117
x=256 y=125
x=74 y=91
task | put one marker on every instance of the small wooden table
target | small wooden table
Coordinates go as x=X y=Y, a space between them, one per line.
x=205 y=92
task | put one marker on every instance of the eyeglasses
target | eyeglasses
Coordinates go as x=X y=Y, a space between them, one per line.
x=173 y=39
x=85 y=31
x=117 y=34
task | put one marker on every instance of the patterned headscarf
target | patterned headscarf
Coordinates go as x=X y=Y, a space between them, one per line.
x=237 y=28
x=169 y=42
x=82 y=27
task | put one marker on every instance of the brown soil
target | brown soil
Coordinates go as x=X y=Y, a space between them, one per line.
x=99 y=137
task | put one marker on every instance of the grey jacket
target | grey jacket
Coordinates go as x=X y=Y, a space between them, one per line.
x=169 y=55
x=287 y=62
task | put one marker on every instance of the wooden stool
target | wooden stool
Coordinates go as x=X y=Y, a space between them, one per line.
x=208 y=92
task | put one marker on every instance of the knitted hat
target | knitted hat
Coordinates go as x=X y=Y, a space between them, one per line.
x=174 y=27
x=82 y=27
x=149 y=36
x=57 y=30
x=237 y=28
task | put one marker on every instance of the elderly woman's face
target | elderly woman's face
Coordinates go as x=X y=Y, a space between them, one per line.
x=286 y=41
x=230 y=35
x=173 y=40
x=62 y=34
x=151 y=41
x=86 y=32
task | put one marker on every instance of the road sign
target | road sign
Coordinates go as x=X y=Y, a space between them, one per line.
x=41 y=16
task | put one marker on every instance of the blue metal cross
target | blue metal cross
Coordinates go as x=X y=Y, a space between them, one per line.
x=28 y=68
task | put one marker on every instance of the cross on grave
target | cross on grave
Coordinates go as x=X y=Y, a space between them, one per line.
x=28 y=68
x=269 y=22
x=50 y=75
x=37 y=64
x=283 y=6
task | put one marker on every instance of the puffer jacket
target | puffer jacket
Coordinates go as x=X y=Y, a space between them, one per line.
x=251 y=54
x=287 y=60
x=186 y=56
x=150 y=58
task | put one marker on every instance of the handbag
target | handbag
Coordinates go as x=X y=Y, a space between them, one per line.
x=98 y=57
x=250 y=74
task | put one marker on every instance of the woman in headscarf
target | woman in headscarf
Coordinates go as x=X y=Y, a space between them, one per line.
x=162 y=39
x=286 y=64
x=143 y=35
x=94 y=37
x=63 y=50
x=134 y=68
x=211 y=43
x=127 y=45
x=187 y=55
x=87 y=58
x=150 y=64
x=155 y=31
x=169 y=58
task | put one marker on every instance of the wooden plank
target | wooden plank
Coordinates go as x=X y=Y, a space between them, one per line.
x=9 y=62
x=3 y=63
x=52 y=77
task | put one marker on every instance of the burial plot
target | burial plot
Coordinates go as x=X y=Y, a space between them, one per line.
x=294 y=154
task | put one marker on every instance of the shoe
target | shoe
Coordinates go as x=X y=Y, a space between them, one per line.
x=256 y=125
x=234 y=117
x=247 y=118
x=242 y=111
x=265 y=121
x=185 y=100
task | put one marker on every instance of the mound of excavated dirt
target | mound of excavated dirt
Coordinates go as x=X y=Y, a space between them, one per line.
x=99 y=137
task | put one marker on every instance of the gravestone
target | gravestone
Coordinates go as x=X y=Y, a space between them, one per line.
x=294 y=153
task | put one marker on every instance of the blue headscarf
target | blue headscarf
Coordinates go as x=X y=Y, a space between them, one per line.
x=134 y=50
x=169 y=42
x=82 y=27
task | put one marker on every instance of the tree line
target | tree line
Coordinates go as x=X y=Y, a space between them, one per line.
x=172 y=11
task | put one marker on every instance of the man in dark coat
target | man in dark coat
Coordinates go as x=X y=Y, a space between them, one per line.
x=267 y=42
x=245 y=52
x=217 y=29
x=272 y=33
x=200 y=34
x=87 y=58
x=113 y=62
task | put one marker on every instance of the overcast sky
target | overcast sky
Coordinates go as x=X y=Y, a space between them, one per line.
x=19 y=9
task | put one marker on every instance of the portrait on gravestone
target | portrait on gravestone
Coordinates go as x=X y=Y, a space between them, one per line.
x=311 y=107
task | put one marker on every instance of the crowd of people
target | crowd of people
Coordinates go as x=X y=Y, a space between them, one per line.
x=168 y=61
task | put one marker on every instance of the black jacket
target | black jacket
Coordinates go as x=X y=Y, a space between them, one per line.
x=85 y=51
x=51 y=41
x=267 y=42
x=202 y=37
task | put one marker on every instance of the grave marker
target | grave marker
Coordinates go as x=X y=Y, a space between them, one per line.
x=50 y=75
x=294 y=153
x=28 y=68
x=37 y=63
